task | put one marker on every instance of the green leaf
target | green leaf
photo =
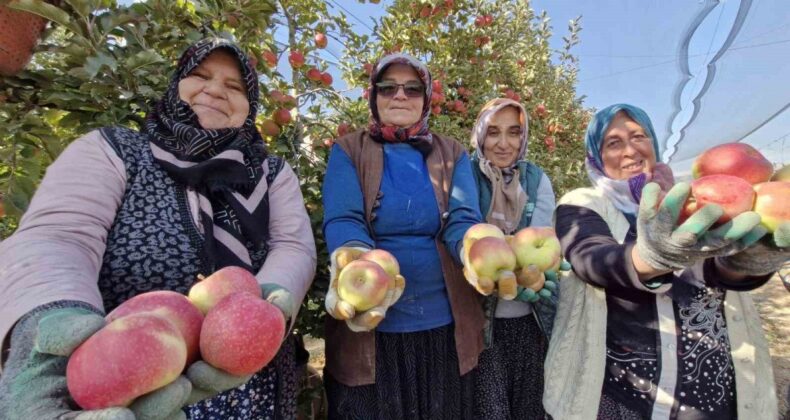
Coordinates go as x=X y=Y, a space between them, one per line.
x=94 y=64
x=82 y=7
x=143 y=58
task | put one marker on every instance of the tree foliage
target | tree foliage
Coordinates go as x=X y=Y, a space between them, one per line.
x=103 y=64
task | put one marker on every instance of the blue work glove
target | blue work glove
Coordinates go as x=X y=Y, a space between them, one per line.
x=665 y=246
x=761 y=254
x=550 y=286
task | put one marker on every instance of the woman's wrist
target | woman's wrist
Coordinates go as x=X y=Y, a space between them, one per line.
x=643 y=269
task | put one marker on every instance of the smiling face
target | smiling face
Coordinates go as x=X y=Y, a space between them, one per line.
x=626 y=150
x=503 y=137
x=216 y=92
x=399 y=110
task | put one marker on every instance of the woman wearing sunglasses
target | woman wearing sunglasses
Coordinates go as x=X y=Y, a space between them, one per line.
x=396 y=186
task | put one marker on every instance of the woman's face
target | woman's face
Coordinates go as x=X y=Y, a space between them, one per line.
x=216 y=92
x=399 y=109
x=626 y=150
x=503 y=137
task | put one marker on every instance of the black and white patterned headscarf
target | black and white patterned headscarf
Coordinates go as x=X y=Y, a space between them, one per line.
x=224 y=165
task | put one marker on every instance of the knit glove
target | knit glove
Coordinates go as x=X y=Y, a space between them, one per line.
x=550 y=286
x=280 y=297
x=763 y=254
x=342 y=310
x=664 y=246
x=33 y=383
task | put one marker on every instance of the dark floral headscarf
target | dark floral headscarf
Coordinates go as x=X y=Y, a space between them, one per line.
x=418 y=135
x=225 y=166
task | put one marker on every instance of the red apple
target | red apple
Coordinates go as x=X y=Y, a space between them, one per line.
x=384 y=259
x=270 y=128
x=296 y=59
x=343 y=129
x=783 y=174
x=540 y=111
x=488 y=19
x=172 y=306
x=773 y=203
x=362 y=284
x=210 y=290
x=736 y=159
x=425 y=12
x=270 y=58
x=480 y=21
x=282 y=117
x=367 y=68
x=326 y=79
x=536 y=246
x=436 y=110
x=436 y=86
x=732 y=193
x=320 y=40
x=242 y=334
x=493 y=261
x=314 y=74
x=129 y=357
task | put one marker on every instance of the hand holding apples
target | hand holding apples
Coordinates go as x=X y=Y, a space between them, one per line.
x=666 y=247
x=490 y=262
x=538 y=254
x=363 y=285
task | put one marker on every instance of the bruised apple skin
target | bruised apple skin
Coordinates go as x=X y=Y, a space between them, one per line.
x=732 y=193
x=129 y=357
x=735 y=159
x=172 y=306
x=362 y=284
x=241 y=334
x=209 y=291
x=536 y=246
x=772 y=203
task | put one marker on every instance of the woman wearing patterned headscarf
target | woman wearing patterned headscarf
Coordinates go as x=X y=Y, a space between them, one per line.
x=653 y=322
x=399 y=187
x=514 y=194
x=122 y=212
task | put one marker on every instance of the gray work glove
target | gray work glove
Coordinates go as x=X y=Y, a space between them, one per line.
x=664 y=246
x=549 y=291
x=33 y=383
x=763 y=254
x=280 y=297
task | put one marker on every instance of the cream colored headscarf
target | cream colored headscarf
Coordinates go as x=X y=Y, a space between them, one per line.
x=508 y=198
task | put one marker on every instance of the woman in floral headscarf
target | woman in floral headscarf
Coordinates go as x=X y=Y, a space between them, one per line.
x=123 y=212
x=399 y=187
x=652 y=323
x=514 y=194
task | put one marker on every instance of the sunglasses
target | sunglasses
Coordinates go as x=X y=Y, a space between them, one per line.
x=410 y=89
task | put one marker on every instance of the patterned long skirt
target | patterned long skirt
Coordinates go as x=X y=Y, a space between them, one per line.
x=269 y=394
x=417 y=377
x=510 y=373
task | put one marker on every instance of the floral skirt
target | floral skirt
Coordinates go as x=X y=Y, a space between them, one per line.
x=510 y=373
x=417 y=377
x=269 y=394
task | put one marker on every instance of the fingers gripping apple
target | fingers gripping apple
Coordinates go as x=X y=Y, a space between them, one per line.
x=479 y=231
x=493 y=261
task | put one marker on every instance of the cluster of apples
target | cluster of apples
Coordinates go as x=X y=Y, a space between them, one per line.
x=151 y=338
x=739 y=178
x=504 y=262
x=362 y=284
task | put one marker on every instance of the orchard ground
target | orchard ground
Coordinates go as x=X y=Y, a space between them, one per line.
x=773 y=303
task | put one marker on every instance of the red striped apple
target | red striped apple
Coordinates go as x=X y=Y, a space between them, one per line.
x=473 y=234
x=493 y=261
x=212 y=289
x=129 y=357
x=736 y=159
x=773 y=203
x=362 y=284
x=172 y=306
x=241 y=334
x=735 y=195
x=536 y=246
